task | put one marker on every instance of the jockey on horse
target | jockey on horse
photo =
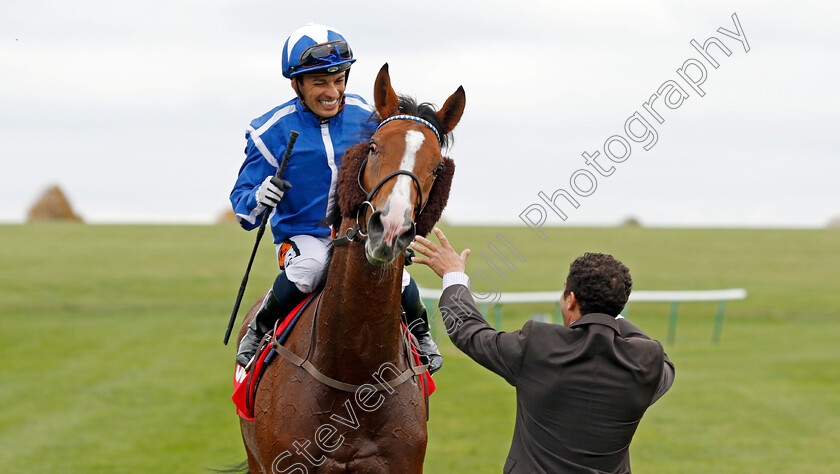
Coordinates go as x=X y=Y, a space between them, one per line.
x=317 y=60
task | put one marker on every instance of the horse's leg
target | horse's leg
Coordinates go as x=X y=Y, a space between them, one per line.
x=286 y=404
x=247 y=427
x=248 y=437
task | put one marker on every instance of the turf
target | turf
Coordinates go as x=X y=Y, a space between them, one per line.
x=113 y=359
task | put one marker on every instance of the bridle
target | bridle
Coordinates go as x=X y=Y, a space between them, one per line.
x=355 y=234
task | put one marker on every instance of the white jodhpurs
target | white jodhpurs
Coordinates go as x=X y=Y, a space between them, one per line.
x=307 y=260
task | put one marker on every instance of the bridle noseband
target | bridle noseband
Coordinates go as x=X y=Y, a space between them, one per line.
x=355 y=233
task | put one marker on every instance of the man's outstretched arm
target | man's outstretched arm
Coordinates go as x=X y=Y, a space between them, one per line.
x=498 y=351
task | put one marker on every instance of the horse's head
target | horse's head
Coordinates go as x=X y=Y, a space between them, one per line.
x=402 y=174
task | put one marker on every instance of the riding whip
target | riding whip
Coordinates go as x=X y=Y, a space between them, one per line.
x=292 y=138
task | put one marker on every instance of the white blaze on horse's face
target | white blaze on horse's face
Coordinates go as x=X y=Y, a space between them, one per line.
x=397 y=215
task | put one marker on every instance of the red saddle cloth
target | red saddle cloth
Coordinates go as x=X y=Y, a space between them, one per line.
x=245 y=388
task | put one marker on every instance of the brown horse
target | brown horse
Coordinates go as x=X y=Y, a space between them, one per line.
x=356 y=416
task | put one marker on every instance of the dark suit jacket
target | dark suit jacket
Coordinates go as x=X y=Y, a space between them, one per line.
x=580 y=390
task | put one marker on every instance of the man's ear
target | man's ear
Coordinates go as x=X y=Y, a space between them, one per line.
x=571 y=301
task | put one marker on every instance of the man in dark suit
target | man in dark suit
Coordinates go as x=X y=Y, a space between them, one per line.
x=582 y=388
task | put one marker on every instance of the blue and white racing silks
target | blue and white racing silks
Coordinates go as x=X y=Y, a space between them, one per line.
x=312 y=169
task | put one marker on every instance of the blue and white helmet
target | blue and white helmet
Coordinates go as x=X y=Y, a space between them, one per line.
x=316 y=48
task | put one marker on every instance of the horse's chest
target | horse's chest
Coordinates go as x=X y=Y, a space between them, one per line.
x=341 y=432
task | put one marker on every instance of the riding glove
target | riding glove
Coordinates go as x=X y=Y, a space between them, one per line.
x=271 y=191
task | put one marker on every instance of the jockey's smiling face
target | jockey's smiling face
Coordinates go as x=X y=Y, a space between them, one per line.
x=322 y=93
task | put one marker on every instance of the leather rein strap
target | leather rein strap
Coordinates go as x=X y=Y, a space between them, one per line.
x=337 y=384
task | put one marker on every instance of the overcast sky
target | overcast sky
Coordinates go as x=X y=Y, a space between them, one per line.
x=138 y=109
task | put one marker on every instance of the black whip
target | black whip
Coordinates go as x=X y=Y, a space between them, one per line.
x=292 y=138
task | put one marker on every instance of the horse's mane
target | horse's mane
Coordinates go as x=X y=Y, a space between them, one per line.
x=350 y=196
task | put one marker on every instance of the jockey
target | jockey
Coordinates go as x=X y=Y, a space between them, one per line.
x=317 y=60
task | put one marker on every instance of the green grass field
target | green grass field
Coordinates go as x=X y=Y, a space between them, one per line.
x=113 y=361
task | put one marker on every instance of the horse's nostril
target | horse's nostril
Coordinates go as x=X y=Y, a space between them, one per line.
x=406 y=237
x=375 y=226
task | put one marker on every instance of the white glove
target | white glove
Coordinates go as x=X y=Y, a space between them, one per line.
x=271 y=191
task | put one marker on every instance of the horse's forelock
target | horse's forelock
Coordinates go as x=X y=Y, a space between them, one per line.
x=438 y=197
x=427 y=112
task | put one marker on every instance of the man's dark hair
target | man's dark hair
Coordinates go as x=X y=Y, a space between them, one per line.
x=601 y=283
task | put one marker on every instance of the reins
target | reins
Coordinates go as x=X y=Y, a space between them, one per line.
x=355 y=234
x=304 y=363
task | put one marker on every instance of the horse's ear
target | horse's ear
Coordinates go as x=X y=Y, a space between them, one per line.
x=387 y=103
x=450 y=113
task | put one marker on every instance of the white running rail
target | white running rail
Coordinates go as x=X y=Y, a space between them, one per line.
x=638 y=296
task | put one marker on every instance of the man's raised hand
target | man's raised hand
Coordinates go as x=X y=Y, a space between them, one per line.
x=441 y=260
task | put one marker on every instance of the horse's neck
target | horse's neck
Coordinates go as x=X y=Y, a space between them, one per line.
x=358 y=326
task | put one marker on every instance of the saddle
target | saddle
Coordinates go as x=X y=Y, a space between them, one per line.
x=245 y=383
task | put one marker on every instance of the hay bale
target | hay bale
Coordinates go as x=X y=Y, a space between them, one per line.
x=226 y=217
x=52 y=205
x=631 y=222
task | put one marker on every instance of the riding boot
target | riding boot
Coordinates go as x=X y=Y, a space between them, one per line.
x=417 y=320
x=280 y=300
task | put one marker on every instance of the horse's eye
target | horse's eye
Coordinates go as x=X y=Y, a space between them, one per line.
x=439 y=169
x=374 y=148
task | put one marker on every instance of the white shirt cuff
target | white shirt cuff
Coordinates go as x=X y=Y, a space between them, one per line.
x=455 y=278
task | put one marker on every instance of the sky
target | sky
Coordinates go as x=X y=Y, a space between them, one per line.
x=137 y=110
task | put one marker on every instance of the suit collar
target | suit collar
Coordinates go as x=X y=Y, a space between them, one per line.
x=597 y=318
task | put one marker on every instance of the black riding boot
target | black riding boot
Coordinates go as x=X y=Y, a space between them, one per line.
x=280 y=300
x=417 y=320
